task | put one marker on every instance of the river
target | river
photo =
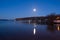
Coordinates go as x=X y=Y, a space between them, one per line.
x=15 y=30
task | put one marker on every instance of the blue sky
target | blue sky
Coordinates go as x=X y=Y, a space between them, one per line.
x=24 y=8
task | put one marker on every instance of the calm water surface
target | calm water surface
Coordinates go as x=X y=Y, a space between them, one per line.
x=23 y=31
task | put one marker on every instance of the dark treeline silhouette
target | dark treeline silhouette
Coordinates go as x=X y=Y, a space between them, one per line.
x=49 y=19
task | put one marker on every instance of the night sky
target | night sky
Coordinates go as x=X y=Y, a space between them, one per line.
x=24 y=8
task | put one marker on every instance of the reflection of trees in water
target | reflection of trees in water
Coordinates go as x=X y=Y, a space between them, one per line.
x=51 y=28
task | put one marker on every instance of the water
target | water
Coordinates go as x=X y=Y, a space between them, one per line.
x=23 y=31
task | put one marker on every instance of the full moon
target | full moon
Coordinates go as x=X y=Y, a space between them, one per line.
x=34 y=9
